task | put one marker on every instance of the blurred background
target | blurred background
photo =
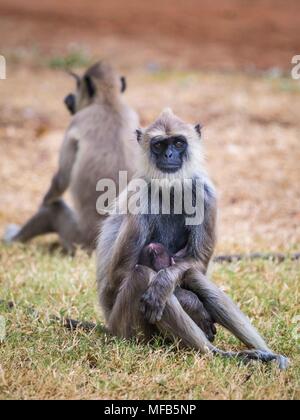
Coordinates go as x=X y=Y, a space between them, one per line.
x=226 y=64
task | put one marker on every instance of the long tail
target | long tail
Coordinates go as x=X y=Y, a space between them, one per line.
x=69 y=323
x=276 y=256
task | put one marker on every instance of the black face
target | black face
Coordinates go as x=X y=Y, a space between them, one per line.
x=70 y=103
x=168 y=152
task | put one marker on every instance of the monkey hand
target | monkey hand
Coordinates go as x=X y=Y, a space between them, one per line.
x=153 y=302
x=152 y=305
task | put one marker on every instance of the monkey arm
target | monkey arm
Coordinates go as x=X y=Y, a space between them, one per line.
x=126 y=250
x=61 y=179
x=161 y=288
x=202 y=238
x=127 y=323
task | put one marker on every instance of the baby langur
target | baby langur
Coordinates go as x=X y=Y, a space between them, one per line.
x=157 y=257
x=96 y=146
x=139 y=301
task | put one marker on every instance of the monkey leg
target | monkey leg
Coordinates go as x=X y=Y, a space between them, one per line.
x=175 y=322
x=226 y=313
x=65 y=223
x=39 y=224
x=56 y=217
x=127 y=320
x=195 y=309
x=223 y=310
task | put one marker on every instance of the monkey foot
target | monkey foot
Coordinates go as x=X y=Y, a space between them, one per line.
x=10 y=233
x=260 y=355
x=283 y=362
x=266 y=357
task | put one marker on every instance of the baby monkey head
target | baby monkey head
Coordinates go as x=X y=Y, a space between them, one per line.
x=155 y=256
x=100 y=82
x=170 y=146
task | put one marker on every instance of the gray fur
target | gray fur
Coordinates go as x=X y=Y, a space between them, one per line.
x=138 y=301
x=98 y=144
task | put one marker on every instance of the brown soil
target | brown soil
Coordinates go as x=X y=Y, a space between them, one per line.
x=225 y=34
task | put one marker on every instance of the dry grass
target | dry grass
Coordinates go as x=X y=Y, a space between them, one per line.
x=251 y=134
x=40 y=359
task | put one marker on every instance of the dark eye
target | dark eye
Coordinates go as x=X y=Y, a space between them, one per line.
x=158 y=146
x=179 y=144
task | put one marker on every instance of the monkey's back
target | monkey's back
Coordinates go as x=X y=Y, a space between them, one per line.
x=104 y=136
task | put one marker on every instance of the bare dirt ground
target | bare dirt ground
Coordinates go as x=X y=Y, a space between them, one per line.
x=201 y=58
x=227 y=34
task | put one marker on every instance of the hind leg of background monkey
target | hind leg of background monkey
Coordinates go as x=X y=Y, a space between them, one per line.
x=56 y=217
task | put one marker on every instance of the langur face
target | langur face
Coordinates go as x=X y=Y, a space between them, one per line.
x=86 y=91
x=70 y=100
x=168 y=153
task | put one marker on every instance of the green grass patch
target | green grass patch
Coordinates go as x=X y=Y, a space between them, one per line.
x=74 y=59
x=40 y=359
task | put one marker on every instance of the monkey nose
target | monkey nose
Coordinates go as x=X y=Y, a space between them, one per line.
x=168 y=155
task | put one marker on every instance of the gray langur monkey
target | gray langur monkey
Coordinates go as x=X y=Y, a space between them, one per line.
x=136 y=300
x=97 y=145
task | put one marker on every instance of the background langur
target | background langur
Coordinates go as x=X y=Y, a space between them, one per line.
x=96 y=146
x=138 y=301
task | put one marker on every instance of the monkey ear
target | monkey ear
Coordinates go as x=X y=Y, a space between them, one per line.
x=198 y=128
x=123 y=84
x=75 y=76
x=139 y=134
x=90 y=86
